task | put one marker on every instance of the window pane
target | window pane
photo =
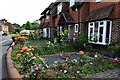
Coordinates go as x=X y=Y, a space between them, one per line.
x=107 y=31
x=91 y=34
x=72 y=2
x=100 y=34
x=96 y=32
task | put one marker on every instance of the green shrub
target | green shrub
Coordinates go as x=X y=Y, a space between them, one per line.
x=80 y=41
x=33 y=36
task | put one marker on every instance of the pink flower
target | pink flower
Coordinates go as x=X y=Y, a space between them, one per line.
x=38 y=68
x=55 y=65
x=31 y=71
x=61 y=55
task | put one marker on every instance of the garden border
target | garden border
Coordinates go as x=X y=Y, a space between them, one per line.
x=12 y=72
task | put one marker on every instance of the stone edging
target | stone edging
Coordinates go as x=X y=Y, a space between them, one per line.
x=12 y=72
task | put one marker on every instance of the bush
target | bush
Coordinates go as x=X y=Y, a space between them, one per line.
x=114 y=47
x=80 y=41
x=33 y=36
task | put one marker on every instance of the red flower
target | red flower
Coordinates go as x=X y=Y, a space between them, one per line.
x=81 y=53
x=47 y=73
x=39 y=78
x=65 y=66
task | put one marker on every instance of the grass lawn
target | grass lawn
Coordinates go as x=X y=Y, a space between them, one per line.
x=37 y=42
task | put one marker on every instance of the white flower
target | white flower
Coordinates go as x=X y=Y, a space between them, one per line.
x=55 y=62
x=61 y=70
x=95 y=56
x=74 y=60
x=91 y=63
x=78 y=71
x=65 y=71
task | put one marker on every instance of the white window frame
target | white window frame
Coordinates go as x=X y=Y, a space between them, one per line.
x=104 y=26
x=59 y=8
x=47 y=17
x=98 y=0
x=59 y=30
x=76 y=28
x=48 y=32
x=69 y=31
x=44 y=32
x=72 y=2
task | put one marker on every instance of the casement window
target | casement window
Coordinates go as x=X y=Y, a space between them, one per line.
x=59 y=8
x=99 y=32
x=76 y=28
x=59 y=30
x=98 y=0
x=72 y=2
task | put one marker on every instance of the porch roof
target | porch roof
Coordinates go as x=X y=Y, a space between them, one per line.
x=41 y=25
x=65 y=17
x=44 y=25
x=101 y=13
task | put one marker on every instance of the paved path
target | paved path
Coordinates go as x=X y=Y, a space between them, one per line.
x=113 y=74
x=5 y=43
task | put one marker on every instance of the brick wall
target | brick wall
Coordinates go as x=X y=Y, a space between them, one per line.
x=74 y=15
x=115 y=33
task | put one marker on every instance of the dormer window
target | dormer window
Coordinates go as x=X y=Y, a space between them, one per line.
x=72 y=2
x=98 y=0
x=59 y=8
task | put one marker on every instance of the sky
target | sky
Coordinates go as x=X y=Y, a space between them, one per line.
x=21 y=11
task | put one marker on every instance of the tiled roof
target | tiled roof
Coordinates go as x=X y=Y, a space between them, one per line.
x=42 y=17
x=101 y=13
x=50 y=8
x=44 y=25
x=41 y=25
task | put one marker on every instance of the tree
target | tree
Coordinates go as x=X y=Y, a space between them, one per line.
x=35 y=25
x=18 y=27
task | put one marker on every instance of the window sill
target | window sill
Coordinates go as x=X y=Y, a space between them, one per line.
x=98 y=43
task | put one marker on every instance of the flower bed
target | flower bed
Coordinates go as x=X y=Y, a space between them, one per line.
x=29 y=63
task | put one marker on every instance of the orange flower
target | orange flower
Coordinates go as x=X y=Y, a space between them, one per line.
x=21 y=50
x=25 y=48
x=47 y=73
x=81 y=52
x=23 y=38
x=67 y=58
x=18 y=55
x=20 y=38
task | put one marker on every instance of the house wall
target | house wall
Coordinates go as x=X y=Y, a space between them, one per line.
x=115 y=33
x=83 y=15
x=115 y=16
x=74 y=15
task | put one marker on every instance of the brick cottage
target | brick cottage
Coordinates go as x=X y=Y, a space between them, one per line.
x=98 y=19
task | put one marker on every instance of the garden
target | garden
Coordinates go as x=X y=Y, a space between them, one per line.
x=53 y=59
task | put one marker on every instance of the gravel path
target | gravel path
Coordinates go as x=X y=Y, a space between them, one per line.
x=113 y=74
